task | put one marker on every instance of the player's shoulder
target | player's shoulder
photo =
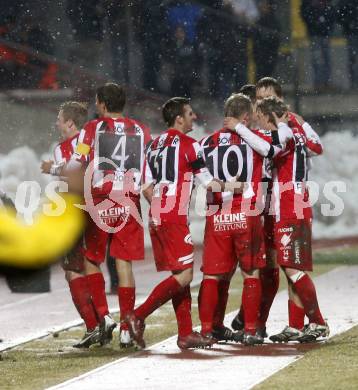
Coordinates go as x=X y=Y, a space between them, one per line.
x=139 y=124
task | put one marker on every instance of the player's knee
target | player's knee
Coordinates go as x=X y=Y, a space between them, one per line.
x=91 y=267
x=254 y=273
x=71 y=275
x=293 y=275
x=184 y=277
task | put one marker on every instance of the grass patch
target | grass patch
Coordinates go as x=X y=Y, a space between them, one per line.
x=52 y=360
x=332 y=366
x=343 y=256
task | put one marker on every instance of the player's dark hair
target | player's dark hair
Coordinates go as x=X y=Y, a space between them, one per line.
x=272 y=104
x=249 y=90
x=270 y=82
x=75 y=111
x=172 y=108
x=236 y=105
x=113 y=96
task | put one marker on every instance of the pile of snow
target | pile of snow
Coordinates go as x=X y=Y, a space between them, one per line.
x=19 y=165
x=338 y=163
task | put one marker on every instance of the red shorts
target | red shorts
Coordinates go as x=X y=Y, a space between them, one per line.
x=172 y=246
x=126 y=244
x=293 y=242
x=232 y=238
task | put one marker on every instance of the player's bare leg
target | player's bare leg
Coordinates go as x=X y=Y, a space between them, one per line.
x=126 y=298
x=96 y=285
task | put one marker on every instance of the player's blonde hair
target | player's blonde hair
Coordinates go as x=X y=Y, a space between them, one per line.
x=75 y=111
x=237 y=105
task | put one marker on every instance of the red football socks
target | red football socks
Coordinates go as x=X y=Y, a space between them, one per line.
x=270 y=280
x=182 y=307
x=296 y=315
x=160 y=295
x=96 y=287
x=306 y=291
x=208 y=300
x=126 y=298
x=251 y=299
x=219 y=314
x=82 y=299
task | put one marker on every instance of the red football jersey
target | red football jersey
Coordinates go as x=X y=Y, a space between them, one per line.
x=173 y=160
x=290 y=174
x=229 y=158
x=312 y=141
x=115 y=147
x=65 y=149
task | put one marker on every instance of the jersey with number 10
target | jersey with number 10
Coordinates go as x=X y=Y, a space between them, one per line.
x=230 y=158
x=115 y=146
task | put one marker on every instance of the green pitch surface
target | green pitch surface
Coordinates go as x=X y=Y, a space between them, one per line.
x=52 y=360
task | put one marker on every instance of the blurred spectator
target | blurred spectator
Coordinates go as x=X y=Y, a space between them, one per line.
x=223 y=37
x=184 y=56
x=38 y=73
x=86 y=17
x=266 y=39
x=347 y=16
x=182 y=52
x=117 y=13
x=185 y=14
x=152 y=36
x=319 y=17
x=11 y=60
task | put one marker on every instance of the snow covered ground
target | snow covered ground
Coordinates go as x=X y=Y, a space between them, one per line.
x=244 y=367
x=339 y=163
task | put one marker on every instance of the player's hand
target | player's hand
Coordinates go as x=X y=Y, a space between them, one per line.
x=46 y=166
x=299 y=118
x=282 y=119
x=230 y=123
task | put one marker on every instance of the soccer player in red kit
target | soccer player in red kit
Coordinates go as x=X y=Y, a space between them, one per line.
x=233 y=234
x=292 y=230
x=173 y=161
x=71 y=118
x=269 y=275
x=114 y=147
x=307 y=145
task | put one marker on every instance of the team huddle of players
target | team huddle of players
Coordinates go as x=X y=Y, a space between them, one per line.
x=254 y=170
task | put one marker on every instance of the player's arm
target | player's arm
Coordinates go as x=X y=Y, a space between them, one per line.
x=261 y=146
x=148 y=182
x=54 y=167
x=80 y=157
x=313 y=143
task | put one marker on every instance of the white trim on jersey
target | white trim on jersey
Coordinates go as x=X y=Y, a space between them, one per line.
x=276 y=194
x=248 y=190
x=57 y=154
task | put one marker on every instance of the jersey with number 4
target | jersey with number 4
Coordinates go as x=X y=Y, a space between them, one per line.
x=115 y=147
x=229 y=158
x=173 y=160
